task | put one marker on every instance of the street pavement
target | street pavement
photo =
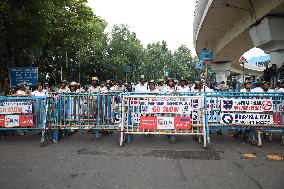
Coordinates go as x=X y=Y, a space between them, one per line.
x=78 y=161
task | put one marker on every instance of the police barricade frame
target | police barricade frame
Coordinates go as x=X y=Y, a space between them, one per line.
x=83 y=111
x=27 y=113
x=273 y=111
x=127 y=125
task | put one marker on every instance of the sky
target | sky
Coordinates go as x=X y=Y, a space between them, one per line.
x=155 y=20
x=151 y=20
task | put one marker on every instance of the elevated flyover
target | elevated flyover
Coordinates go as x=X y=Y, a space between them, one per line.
x=232 y=27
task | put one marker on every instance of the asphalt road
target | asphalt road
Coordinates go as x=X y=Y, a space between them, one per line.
x=148 y=162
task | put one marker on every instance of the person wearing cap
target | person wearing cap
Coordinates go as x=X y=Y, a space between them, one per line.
x=247 y=88
x=63 y=87
x=152 y=87
x=161 y=85
x=281 y=86
x=107 y=88
x=142 y=86
x=182 y=88
x=95 y=88
x=74 y=87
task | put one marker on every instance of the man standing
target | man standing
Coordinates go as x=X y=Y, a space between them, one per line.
x=161 y=85
x=142 y=86
x=170 y=88
x=120 y=87
x=247 y=88
x=63 y=87
x=95 y=88
x=182 y=88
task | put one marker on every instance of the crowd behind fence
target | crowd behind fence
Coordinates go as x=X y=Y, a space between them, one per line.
x=196 y=114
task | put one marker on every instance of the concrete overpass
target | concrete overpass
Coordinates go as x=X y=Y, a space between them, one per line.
x=232 y=27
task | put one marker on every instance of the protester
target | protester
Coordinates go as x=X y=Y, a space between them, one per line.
x=152 y=87
x=266 y=87
x=63 y=87
x=120 y=86
x=74 y=87
x=170 y=88
x=142 y=86
x=247 y=88
x=182 y=88
x=257 y=88
x=39 y=91
x=161 y=85
x=94 y=88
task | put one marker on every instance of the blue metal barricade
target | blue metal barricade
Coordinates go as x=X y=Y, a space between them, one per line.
x=250 y=113
x=83 y=111
x=23 y=114
x=162 y=114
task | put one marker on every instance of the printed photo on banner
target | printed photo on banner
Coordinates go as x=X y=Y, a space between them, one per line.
x=247 y=105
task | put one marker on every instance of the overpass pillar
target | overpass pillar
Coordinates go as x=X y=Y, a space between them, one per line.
x=268 y=35
x=222 y=70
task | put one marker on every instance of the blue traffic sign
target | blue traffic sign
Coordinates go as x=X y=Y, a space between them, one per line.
x=21 y=75
x=206 y=55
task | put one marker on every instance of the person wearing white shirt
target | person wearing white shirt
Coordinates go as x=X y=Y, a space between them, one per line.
x=142 y=86
x=266 y=86
x=182 y=88
x=95 y=88
x=152 y=87
x=39 y=91
x=63 y=87
x=257 y=88
x=247 y=88
x=161 y=85
x=170 y=88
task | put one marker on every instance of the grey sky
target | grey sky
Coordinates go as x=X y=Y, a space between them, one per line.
x=155 y=20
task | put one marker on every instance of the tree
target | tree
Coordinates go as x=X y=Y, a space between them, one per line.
x=124 y=49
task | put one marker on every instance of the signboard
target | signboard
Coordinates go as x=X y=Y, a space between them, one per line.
x=182 y=123
x=199 y=65
x=28 y=75
x=213 y=103
x=19 y=107
x=178 y=107
x=148 y=122
x=166 y=74
x=165 y=123
x=246 y=118
x=16 y=120
x=247 y=105
x=206 y=55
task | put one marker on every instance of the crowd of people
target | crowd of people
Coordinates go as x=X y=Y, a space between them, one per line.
x=165 y=85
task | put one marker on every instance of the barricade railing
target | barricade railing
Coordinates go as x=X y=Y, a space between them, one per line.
x=83 y=111
x=251 y=113
x=23 y=114
x=162 y=114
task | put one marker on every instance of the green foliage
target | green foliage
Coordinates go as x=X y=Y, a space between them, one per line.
x=67 y=34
